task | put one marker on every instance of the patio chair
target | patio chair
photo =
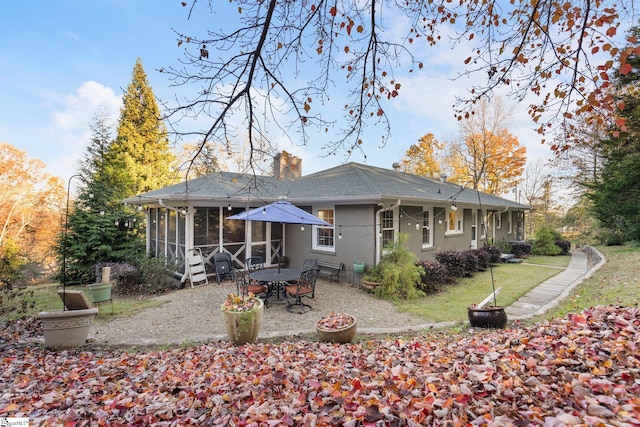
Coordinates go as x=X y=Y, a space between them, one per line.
x=305 y=287
x=222 y=262
x=244 y=286
x=307 y=264
x=254 y=263
x=196 y=269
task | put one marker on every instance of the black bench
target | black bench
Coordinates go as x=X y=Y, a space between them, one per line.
x=330 y=269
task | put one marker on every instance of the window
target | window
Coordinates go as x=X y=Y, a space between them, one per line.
x=454 y=221
x=498 y=220
x=323 y=236
x=426 y=229
x=387 y=228
x=510 y=222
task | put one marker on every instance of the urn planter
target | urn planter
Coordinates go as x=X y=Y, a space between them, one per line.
x=487 y=317
x=340 y=333
x=243 y=326
x=66 y=329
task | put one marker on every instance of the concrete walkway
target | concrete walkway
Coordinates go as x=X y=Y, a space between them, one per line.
x=543 y=297
x=549 y=293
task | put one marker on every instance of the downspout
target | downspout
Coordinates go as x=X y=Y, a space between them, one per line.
x=377 y=248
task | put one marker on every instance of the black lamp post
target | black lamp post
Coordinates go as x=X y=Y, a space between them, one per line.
x=64 y=243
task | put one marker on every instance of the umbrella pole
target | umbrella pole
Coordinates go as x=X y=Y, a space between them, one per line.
x=279 y=248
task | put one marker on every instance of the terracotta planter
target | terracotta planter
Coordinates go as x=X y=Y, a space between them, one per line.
x=67 y=329
x=369 y=285
x=243 y=326
x=342 y=335
x=487 y=317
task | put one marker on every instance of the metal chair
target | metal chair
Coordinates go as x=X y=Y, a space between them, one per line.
x=222 y=262
x=309 y=264
x=254 y=263
x=244 y=287
x=305 y=287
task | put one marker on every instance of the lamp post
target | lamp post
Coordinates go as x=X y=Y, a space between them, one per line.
x=64 y=243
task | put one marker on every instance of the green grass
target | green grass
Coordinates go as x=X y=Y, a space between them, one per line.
x=617 y=282
x=558 y=261
x=26 y=302
x=450 y=304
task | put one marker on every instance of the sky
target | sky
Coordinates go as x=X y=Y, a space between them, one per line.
x=60 y=61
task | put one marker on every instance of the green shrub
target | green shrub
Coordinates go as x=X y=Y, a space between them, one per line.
x=397 y=272
x=545 y=242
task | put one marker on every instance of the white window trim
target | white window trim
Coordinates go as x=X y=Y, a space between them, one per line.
x=314 y=230
x=429 y=227
x=510 y=222
x=459 y=214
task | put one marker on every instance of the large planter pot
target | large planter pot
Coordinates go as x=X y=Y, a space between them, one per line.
x=358 y=267
x=243 y=326
x=337 y=335
x=100 y=292
x=487 y=317
x=67 y=329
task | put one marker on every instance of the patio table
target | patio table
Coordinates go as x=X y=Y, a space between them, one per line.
x=275 y=279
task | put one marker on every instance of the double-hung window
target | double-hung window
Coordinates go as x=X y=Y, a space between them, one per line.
x=427 y=237
x=387 y=228
x=454 y=221
x=324 y=235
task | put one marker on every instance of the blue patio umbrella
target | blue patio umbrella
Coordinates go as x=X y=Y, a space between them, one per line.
x=282 y=212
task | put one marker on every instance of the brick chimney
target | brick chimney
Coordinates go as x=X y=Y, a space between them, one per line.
x=287 y=166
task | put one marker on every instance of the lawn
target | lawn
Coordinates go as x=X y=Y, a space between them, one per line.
x=25 y=302
x=515 y=280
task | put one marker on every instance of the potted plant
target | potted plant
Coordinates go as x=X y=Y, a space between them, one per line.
x=491 y=316
x=372 y=278
x=243 y=317
x=483 y=315
x=337 y=327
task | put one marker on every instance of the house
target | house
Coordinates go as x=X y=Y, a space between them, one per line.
x=368 y=207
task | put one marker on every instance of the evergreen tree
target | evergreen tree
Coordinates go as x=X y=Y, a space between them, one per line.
x=616 y=194
x=96 y=230
x=140 y=158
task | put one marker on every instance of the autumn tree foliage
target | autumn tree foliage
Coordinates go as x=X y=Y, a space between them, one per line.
x=486 y=156
x=290 y=54
x=31 y=202
x=423 y=158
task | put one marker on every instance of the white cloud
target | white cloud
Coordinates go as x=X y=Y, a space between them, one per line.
x=70 y=131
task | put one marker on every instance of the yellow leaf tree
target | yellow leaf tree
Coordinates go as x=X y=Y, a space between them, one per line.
x=31 y=202
x=487 y=156
x=423 y=158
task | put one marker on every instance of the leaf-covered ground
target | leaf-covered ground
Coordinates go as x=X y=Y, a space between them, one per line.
x=583 y=369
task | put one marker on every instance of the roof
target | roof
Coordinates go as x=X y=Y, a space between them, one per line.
x=350 y=183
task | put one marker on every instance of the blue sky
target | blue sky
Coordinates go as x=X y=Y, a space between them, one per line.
x=61 y=60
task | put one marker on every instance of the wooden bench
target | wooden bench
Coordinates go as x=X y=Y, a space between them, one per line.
x=330 y=269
